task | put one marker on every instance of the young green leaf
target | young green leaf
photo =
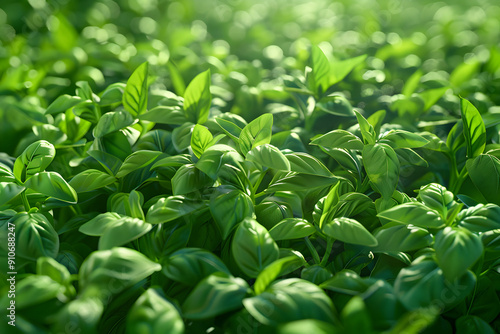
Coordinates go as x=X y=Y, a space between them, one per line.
x=34 y=159
x=90 y=179
x=339 y=139
x=137 y=160
x=135 y=97
x=173 y=115
x=320 y=76
x=197 y=98
x=111 y=122
x=53 y=185
x=118 y=267
x=9 y=191
x=340 y=69
x=367 y=130
x=155 y=313
x=191 y=265
x=474 y=129
x=393 y=237
x=301 y=182
x=62 y=103
x=226 y=294
x=289 y=300
x=307 y=164
x=456 y=250
x=272 y=271
x=201 y=139
x=257 y=132
x=413 y=213
x=170 y=208
x=350 y=231
x=270 y=156
x=292 y=228
x=382 y=166
x=253 y=247
x=484 y=171
x=403 y=139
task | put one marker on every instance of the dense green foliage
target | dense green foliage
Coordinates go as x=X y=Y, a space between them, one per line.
x=249 y=166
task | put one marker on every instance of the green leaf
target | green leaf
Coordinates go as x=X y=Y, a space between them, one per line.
x=382 y=166
x=308 y=326
x=111 y=122
x=253 y=247
x=123 y=231
x=197 y=98
x=464 y=72
x=474 y=129
x=181 y=136
x=301 y=182
x=230 y=208
x=289 y=300
x=34 y=159
x=269 y=156
x=137 y=160
x=412 y=83
x=35 y=237
x=292 y=228
x=170 y=208
x=173 y=161
x=49 y=267
x=135 y=97
x=350 y=231
x=484 y=171
x=273 y=270
x=191 y=265
x=110 y=163
x=9 y=191
x=346 y=282
x=153 y=314
x=423 y=284
x=404 y=139
x=231 y=129
x=62 y=103
x=367 y=130
x=456 y=250
x=339 y=139
x=408 y=157
x=217 y=294
x=335 y=105
x=118 y=267
x=340 y=69
x=356 y=317
x=83 y=313
x=188 y=178
x=173 y=115
x=112 y=94
x=97 y=225
x=480 y=218
x=413 y=213
x=90 y=179
x=471 y=324
x=53 y=185
x=320 y=75
x=437 y=197
x=376 y=119
x=401 y=238
x=213 y=158
x=307 y=164
x=201 y=139
x=255 y=133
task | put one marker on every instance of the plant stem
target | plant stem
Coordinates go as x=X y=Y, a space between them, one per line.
x=313 y=251
x=259 y=180
x=328 y=250
x=25 y=201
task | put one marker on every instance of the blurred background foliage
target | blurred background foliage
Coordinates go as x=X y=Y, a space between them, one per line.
x=47 y=46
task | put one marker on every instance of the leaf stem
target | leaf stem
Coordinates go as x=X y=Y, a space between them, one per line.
x=328 y=251
x=313 y=251
x=25 y=201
